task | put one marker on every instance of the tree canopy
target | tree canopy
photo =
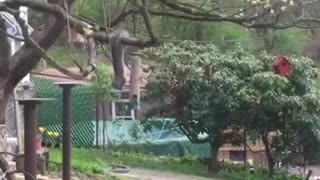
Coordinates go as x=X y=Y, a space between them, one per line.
x=220 y=94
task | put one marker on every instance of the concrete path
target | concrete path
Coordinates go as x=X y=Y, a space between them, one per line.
x=143 y=174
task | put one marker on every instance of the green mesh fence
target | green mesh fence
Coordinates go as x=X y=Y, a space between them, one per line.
x=50 y=112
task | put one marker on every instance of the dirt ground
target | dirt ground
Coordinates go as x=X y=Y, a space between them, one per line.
x=143 y=174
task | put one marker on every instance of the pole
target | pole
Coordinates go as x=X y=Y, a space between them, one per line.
x=19 y=123
x=97 y=122
x=67 y=132
x=67 y=128
x=30 y=125
x=30 y=136
x=244 y=148
x=135 y=82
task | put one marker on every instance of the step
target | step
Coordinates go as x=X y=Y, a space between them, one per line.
x=40 y=177
x=20 y=176
x=124 y=176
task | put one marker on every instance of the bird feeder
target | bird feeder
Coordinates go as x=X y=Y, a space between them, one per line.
x=283 y=66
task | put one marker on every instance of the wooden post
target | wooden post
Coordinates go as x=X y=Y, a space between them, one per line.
x=135 y=61
x=97 y=121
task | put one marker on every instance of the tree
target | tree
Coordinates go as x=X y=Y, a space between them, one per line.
x=56 y=17
x=284 y=108
x=221 y=94
x=103 y=90
x=191 y=84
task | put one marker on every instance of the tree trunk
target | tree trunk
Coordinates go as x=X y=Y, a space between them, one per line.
x=213 y=165
x=268 y=153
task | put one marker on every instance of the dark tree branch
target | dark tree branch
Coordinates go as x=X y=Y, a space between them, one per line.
x=123 y=15
x=146 y=18
x=32 y=44
x=5 y=51
x=191 y=11
x=22 y=62
x=92 y=56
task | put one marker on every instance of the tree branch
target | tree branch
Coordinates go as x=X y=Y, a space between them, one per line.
x=5 y=51
x=175 y=6
x=31 y=43
x=146 y=18
x=22 y=62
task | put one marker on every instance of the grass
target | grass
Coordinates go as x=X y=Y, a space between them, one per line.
x=97 y=162
x=65 y=56
x=82 y=159
x=186 y=165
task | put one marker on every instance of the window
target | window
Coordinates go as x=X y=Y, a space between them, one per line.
x=121 y=110
x=236 y=155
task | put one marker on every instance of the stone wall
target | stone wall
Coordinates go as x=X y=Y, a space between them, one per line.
x=23 y=91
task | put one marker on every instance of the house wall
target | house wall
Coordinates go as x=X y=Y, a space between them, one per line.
x=255 y=159
x=255 y=153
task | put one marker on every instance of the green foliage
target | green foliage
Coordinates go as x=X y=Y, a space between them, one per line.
x=97 y=161
x=82 y=159
x=187 y=165
x=208 y=92
x=98 y=10
x=64 y=56
x=102 y=85
x=291 y=41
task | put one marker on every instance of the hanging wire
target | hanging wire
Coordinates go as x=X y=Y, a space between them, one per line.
x=104 y=14
x=228 y=40
x=110 y=15
x=68 y=22
x=70 y=35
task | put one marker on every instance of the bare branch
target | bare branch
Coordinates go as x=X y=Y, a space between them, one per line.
x=146 y=18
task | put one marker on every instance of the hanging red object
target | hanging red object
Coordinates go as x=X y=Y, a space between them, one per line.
x=283 y=66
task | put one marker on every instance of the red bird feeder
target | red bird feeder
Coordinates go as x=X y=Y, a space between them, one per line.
x=283 y=66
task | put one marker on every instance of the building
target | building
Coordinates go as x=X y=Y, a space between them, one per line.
x=255 y=154
x=115 y=110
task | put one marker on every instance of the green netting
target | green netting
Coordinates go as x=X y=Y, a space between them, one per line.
x=163 y=139
x=50 y=112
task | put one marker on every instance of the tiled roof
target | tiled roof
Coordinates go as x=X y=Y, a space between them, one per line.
x=56 y=75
